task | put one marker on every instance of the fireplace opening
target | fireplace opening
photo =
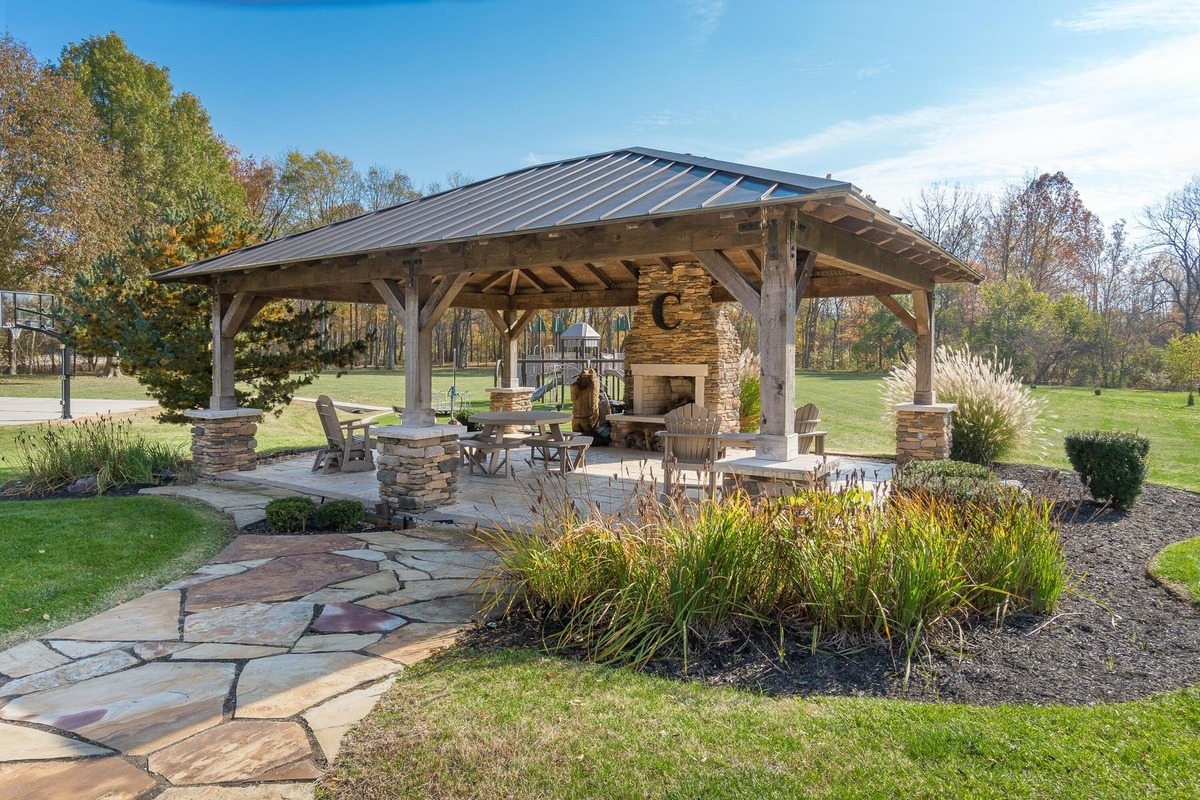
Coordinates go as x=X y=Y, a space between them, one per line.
x=661 y=388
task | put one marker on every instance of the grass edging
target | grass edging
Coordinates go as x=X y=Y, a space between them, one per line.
x=1177 y=569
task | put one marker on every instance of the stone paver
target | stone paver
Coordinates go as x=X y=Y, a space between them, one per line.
x=92 y=779
x=415 y=642
x=82 y=649
x=330 y=720
x=137 y=711
x=239 y=751
x=351 y=618
x=152 y=617
x=219 y=651
x=278 y=624
x=250 y=547
x=22 y=743
x=71 y=672
x=28 y=658
x=333 y=642
x=286 y=578
x=202 y=691
x=280 y=686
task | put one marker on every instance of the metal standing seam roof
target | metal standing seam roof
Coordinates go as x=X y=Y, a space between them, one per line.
x=630 y=184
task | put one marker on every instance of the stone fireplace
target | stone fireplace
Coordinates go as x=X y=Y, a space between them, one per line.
x=692 y=359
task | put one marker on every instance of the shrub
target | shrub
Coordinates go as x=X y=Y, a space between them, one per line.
x=54 y=456
x=290 y=514
x=958 y=481
x=994 y=411
x=339 y=515
x=1112 y=465
x=836 y=563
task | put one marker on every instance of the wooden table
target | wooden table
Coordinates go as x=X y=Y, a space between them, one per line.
x=490 y=450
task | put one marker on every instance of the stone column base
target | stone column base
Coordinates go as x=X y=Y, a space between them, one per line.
x=418 y=467
x=517 y=398
x=223 y=440
x=922 y=432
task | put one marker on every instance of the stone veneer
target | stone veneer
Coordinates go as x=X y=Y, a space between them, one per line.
x=224 y=440
x=705 y=335
x=516 y=399
x=922 y=432
x=418 y=467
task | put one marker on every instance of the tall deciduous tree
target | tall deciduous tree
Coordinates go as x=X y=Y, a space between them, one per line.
x=1174 y=234
x=163 y=333
x=168 y=148
x=62 y=202
x=1041 y=231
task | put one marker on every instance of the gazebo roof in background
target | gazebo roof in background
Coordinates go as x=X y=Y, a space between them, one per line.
x=575 y=232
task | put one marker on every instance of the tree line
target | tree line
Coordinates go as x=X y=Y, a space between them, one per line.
x=108 y=173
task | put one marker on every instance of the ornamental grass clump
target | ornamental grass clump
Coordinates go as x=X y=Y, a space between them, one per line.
x=52 y=457
x=749 y=372
x=994 y=413
x=829 y=564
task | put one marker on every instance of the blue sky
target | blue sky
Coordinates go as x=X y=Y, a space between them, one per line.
x=889 y=95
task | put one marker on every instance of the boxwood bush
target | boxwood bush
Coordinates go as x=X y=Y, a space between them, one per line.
x=339 y=515
x=290 y=514
x=1112 y=465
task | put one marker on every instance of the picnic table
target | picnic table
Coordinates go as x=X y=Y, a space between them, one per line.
x=490 y=450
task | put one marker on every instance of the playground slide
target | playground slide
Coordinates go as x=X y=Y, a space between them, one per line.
x=544 y=388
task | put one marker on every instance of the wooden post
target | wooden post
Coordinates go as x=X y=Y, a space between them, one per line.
x=923 y=312
x=777 y=439
x=418 y=356
x=510 y=337
x=222 y=398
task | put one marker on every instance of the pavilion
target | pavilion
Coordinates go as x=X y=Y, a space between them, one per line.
x=598 y=230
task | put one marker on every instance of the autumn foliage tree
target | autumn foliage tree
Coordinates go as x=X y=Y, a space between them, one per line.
x=62 y=202
x=163 y=333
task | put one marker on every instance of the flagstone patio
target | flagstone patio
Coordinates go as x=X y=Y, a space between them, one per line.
x=610 y=481
x=237 y=681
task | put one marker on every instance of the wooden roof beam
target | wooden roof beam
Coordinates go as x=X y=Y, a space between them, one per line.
x=729 y=276
x=859 y=255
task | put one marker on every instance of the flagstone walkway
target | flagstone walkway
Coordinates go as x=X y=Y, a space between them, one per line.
x=238 y=681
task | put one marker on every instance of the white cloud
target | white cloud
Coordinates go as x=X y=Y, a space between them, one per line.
x=1135 y=14
x=1126 y=132
x=703 y=17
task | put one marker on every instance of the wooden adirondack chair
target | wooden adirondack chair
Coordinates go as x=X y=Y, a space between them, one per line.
x=808 y=419
x=344 y=450
x=692 y=442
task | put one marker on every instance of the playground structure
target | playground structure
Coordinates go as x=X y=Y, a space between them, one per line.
x=34 y=311
x=558 y=369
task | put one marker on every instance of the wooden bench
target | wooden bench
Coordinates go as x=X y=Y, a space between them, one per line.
x=483 y=454
x=570 y=453
x=541 y=444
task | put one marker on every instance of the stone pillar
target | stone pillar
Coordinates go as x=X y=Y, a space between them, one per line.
x=517 y=398
x=922 y=432
x=418 y=467
x=223 y=439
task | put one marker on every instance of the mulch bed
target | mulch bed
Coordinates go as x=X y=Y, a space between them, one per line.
x=1117 y=636
x=62 y=494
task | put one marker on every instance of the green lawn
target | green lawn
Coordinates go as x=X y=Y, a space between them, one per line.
x=852 y=412
x=62 y=560
x=515 y=724
x=1178 y=566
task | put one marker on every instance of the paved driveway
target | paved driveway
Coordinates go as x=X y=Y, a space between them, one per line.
x=30 y=410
